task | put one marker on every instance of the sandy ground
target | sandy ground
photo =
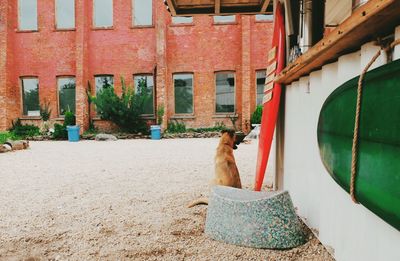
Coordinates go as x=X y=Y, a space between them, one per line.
x=121 y=200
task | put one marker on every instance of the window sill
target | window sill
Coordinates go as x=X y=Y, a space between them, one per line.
x=182 y=117
x=64 y=30
x=225 y=115
x=181 y=25
x=142 y=26
x=58 y=118
x=264 y=22
x=148 y=117
x=227 y=23
x=27 y=31
x=30 y=118
x=102 y=28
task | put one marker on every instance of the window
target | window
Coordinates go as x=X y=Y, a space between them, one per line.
x=103 y=81
x=267 y=17
x=65 y=14
x=225 y=92
x=260 y=80
x=103 y=13
x=222 y=19
x=66 y=94
x=27 y=15
x=30 y=98
x=146 y=83
x=182 y=20
x=142 y=12
x=183 y=91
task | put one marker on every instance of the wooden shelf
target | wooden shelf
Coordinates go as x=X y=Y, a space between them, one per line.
x=373 y=19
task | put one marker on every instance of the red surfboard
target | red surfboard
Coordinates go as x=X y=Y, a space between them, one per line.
x=272 y=95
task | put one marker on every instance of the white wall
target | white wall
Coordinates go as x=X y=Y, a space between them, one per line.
x=349 y=230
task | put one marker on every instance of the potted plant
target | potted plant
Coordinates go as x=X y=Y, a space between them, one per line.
x=72 y=128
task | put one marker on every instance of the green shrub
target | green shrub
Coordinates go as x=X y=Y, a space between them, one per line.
x=256 y=116
x=218 y=127
x=176 y=127
x=24 y=131
x=60 y=132
x=45 y=111
x=125 y=110
x=4 y=136
x=69 y=118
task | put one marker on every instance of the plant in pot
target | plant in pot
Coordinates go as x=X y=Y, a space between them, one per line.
x=70 y=125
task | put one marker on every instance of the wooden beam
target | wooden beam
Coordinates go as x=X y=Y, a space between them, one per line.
x=265 y=5
x=172 y=8
x=217 y=6
x=365 y=24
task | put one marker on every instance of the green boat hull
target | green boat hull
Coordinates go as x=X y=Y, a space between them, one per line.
x=377 y=184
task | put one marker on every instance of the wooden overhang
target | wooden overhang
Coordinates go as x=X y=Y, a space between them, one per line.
x=218 y=7
x=374 y=19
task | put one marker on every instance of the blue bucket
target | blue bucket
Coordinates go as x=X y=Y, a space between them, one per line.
x=73 y=133
x=155 y=132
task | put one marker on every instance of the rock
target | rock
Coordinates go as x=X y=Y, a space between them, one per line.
x=18 y=144
x=5 y=148
x=105 y=137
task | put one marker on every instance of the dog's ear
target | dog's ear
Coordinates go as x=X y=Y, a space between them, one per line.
x=231 y=133
x=223 y=131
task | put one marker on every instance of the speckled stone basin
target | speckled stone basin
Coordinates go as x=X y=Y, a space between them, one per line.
x=253 y=219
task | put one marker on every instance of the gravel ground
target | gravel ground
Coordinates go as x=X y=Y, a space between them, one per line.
x=122 y=200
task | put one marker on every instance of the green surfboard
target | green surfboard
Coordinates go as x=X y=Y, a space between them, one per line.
x=377 y=184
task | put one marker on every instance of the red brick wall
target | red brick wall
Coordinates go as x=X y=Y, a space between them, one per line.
x=201 y=48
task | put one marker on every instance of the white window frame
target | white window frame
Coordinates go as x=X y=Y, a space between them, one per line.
x=58 y=93
x=175 y=20
x=257 y=84
x=224 y=22
x=154 y=85
x=133 y=15
x=23 y=95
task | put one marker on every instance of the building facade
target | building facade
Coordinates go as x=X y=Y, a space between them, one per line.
x=203 y=70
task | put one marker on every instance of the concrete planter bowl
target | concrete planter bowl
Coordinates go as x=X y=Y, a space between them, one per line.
x=253 y=219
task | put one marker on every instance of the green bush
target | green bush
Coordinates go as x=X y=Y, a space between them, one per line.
x=4 y=136
x=176 y=127
x=69 y=118
x=218 y=127
x=256 y=116
x=160 y=114
x=125 y=110
x=24 y=131
x=60 y=132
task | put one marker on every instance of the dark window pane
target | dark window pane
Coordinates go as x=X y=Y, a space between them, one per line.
x=183 y=90
x=65 y=12
x=30 y=87
x=104 y=82
x=66 y=94
x=27 y=14
x=143 y=13
x=225 y=92
x=103 y=13
x=260 y=86
x=146 y=83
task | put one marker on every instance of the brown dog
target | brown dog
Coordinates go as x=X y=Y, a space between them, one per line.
x=226 y=172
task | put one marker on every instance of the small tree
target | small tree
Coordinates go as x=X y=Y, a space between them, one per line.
x=125 y=110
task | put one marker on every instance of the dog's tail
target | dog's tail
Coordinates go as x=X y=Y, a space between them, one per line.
x=199 y=201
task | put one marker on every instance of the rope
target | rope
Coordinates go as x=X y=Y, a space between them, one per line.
x=354 y=150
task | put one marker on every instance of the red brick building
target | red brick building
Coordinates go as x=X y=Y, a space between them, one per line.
x=201 y=69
